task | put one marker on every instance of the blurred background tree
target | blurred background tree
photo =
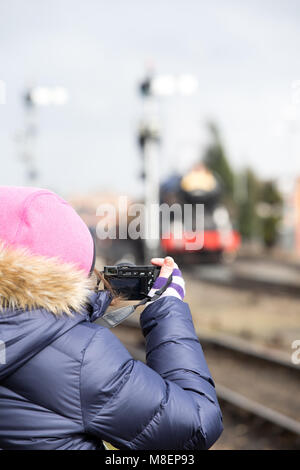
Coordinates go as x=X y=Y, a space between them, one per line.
x=216 y=160
x=270 y=212
x=247 y=218
x=255 y=205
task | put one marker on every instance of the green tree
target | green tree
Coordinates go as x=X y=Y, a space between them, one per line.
x=254 y=204
x=216 y=160
x=270 y=212
x=248 y=221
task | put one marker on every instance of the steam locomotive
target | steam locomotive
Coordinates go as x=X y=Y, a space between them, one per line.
x=218 y=241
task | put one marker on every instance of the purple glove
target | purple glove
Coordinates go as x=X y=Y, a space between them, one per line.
x=175 y=289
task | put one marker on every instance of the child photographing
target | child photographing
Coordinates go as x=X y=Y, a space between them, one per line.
x=68 y=383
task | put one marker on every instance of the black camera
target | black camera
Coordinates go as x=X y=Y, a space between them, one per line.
x=130 y=281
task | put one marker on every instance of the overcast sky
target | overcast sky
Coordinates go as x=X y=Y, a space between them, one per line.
x=245 y=55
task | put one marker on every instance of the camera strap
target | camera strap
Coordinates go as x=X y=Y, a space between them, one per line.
x=115 y=317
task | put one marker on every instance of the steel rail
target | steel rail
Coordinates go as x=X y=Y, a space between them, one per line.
x=230 y=396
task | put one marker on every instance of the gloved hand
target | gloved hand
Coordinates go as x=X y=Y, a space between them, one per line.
x=177 y=286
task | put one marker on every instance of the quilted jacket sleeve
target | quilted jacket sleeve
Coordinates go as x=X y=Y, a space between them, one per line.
x=170 y=403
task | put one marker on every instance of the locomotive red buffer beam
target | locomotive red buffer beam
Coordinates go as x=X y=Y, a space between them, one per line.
x=212 y=241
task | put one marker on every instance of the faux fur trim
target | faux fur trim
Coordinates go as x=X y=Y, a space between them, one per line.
x=28 y=281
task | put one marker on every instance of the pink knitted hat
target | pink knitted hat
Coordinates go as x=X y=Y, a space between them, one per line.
x=45 y=224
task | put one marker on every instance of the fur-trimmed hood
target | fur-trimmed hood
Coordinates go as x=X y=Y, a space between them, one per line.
x=41 y=299
x=29 y=281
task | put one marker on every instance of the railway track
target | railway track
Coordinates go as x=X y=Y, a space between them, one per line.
x=250 y=385
x=229 y=276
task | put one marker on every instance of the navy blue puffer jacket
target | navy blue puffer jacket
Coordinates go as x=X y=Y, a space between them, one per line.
x=69 y=383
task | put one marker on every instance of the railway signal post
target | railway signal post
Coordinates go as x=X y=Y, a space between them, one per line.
x=148 y=139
